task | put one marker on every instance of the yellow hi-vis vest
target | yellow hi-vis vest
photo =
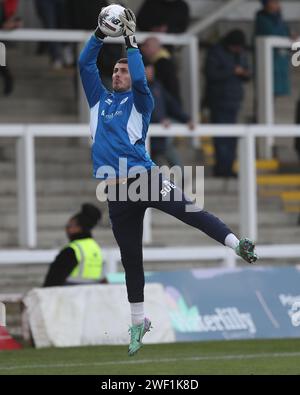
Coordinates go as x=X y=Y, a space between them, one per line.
x=90 y=261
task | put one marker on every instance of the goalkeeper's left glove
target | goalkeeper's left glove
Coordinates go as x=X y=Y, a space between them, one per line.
x=98 y=34
x=128 y=19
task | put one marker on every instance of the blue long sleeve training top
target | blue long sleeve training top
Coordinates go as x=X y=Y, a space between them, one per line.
x=119 y=121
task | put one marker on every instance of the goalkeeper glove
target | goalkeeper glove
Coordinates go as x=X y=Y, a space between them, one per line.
x=129 y=21
x=98 y=34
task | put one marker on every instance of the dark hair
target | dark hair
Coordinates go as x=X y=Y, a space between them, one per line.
x=88 y=217
x=147 y=62
x=235 y=37
x=122 y=61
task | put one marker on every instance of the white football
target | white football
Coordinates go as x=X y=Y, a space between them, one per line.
x=109 y=22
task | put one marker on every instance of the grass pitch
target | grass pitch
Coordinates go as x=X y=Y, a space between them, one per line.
x=218 y=357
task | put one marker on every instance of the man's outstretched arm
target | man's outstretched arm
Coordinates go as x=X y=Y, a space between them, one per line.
x=89 y=72
x=142 y=96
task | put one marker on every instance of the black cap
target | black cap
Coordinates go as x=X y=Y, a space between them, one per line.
x=147 y=61
x=235 y=37
x=88 y=217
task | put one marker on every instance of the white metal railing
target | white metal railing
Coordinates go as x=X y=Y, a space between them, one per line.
x=112 y=256
x=190 y=64
x=25 y=136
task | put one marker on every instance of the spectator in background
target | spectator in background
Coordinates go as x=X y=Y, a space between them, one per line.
x=53 y=16
x=166 y=16
x=80 y=262
x=165 y=70
x=8 y=21
x=269 y=22
x=226 y=70
x=8 y=18
x=165 y=106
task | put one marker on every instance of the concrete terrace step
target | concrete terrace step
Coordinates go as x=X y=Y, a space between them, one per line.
x=44 y=117
x=40 y=93
x=68 y=203
x=53 y=238
x=291 y=196
x=57 y=220
x=58 y=156
x=54 y=187
x=44 y=85
x=71 y=186
x=191 y=236
x=53 y=170
x=54 y=204
x=231 y=218
x=281 y=180
x=37 y=106
x=24 y=62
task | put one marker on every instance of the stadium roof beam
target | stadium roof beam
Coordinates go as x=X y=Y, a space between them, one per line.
x=203 y=24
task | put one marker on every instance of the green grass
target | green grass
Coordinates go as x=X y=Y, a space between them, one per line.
x=222 y=357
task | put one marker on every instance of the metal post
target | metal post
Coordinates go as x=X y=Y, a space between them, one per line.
x=194 y=80
x=190 y=82
x=112 y=261
x=229 y=258
x=147 y=231
x=264 y=86
x=26 y=190
x=83 y=110
x=147 y=235
x=247 y=185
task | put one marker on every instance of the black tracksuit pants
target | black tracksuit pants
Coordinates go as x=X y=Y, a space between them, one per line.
x=127 y=225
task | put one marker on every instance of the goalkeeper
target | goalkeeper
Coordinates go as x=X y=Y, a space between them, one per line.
x=119 y=124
